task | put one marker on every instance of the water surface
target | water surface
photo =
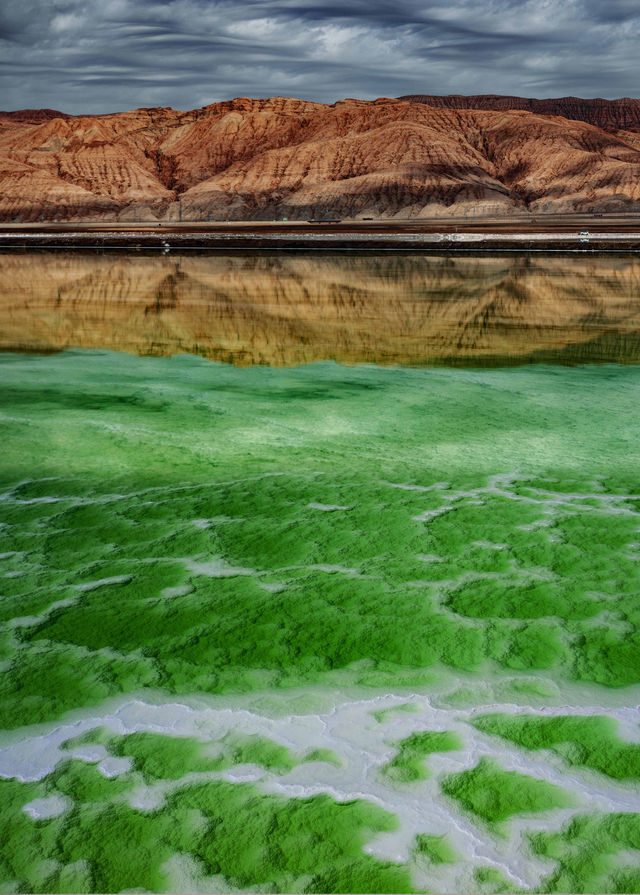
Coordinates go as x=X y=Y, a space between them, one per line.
x=290 y=309
x=316 y=627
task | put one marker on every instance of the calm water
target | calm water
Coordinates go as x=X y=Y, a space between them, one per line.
x=292 y=309
x=304 y=626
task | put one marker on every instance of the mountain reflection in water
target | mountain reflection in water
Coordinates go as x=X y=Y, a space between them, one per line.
x=292 y=309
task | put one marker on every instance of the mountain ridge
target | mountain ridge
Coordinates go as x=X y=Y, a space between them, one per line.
x=250 y=159
x=614 y=114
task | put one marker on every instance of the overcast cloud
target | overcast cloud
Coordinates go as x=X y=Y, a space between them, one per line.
x=112 y=55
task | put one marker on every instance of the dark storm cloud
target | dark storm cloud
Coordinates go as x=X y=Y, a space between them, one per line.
x=108 y=55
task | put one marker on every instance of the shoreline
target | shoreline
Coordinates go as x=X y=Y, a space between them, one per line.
x=558 y=235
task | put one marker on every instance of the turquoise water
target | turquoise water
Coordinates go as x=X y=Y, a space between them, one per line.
x=319 y=628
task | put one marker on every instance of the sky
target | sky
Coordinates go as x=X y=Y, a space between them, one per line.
x=100 y=56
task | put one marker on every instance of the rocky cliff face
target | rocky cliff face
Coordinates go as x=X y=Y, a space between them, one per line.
x=608 y=114
x=264 y=159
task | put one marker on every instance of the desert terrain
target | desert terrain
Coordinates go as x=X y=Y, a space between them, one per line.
x=268 y=159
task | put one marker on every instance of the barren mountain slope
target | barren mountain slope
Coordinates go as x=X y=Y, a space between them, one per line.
x=256 y=159
x=608 y=114
x=389 y=160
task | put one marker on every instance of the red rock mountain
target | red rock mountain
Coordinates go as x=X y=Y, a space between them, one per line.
x=279 y=157
x=609 y=114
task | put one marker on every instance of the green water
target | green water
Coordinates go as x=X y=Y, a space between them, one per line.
x=322 y=628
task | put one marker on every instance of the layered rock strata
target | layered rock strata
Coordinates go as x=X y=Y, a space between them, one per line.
x=263 y=159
